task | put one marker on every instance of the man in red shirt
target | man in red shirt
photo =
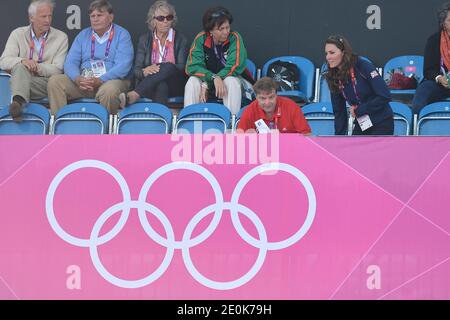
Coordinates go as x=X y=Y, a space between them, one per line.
x=276 y=112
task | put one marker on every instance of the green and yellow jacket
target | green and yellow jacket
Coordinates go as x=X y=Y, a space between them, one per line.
x=204 y=58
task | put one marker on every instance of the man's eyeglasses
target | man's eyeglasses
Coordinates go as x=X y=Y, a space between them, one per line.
x=162 y=18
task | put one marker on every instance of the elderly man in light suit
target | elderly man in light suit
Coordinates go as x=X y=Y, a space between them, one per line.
x=32 y=54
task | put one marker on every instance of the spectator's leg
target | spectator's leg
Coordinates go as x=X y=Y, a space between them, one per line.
x=232 y=100
x=20 y=89
x=21 y=82
x=108 y=94
x=38 y=88
x=61 y=89
x=148 y=86
x=428 y=92
x=177 y=83
x=384 y=128
x=192 y=91
x=161 y=94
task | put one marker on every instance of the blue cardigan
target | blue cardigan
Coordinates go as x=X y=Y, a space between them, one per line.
x=118 y=64
x=373 y=93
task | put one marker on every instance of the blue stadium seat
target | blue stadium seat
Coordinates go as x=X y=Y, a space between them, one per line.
x=174 y=100
x=320 y=118
x=434 y=120
x=323 y=90
x=36 y=119
x=410 y=65
x=81 y=118
x=251 y=66
x=84 y=100
x=144 y=100
x=145 y=118
x=203 y=118
x=5 y=89
x=43 y=101
x=307 y=71
x=238 y=118
x=403 y=119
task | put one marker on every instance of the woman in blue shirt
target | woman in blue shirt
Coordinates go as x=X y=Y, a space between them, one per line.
x=356 y=81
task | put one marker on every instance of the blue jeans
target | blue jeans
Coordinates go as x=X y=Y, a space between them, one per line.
x=428 y=92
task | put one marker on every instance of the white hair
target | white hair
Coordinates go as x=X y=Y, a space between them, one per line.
x=32 y=9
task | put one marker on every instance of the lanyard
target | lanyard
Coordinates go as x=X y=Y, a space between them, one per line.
x=273 y=124
x=41 y=51
x=108 y=44
x=353 y=79
x=220 y=56
x=157 y=46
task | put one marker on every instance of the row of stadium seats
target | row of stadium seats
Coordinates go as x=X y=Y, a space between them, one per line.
x=154 y=118
x=312 y=84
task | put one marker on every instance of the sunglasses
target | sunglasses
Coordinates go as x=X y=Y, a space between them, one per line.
x=162 y=18
x=218 y=14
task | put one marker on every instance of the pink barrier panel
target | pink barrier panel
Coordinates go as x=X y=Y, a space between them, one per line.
x=289 y=217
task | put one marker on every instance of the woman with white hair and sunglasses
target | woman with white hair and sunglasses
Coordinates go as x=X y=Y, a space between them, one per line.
x=160 y=58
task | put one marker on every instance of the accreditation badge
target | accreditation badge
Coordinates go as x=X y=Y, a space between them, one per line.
x=365 y=122
x=98 y=68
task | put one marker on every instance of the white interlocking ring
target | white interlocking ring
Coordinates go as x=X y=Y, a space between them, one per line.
x=60 y=177
x=186 y=243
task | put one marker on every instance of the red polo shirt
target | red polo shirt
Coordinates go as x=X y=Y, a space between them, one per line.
x=287 y=118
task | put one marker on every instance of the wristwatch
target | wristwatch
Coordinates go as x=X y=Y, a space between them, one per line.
x=214 y=76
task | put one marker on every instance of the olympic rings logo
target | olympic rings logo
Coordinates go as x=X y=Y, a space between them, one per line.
x=187 y=241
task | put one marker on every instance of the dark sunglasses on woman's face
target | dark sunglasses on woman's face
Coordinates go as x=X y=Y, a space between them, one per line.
x=161 y=18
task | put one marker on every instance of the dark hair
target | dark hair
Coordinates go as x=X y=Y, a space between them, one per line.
x=216 y=17
x=265 y=85
x=101 y=5
x=442 y=14
x=336 y=75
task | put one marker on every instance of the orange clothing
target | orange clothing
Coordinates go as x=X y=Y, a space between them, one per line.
x=288 y=117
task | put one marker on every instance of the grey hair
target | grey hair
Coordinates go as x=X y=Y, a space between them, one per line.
x=32 y=8
x=164 y=5
x=442 y=14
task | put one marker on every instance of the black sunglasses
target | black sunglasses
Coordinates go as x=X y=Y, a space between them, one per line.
x=162 y=18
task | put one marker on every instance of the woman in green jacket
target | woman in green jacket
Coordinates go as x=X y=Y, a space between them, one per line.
x=217 y=62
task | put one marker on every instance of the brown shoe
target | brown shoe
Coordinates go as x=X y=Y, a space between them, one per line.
x=15 y=110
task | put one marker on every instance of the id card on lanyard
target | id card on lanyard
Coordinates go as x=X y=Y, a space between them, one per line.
x=32 y=45
x=363 y=121
x=273 y=123
x=98 y=66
